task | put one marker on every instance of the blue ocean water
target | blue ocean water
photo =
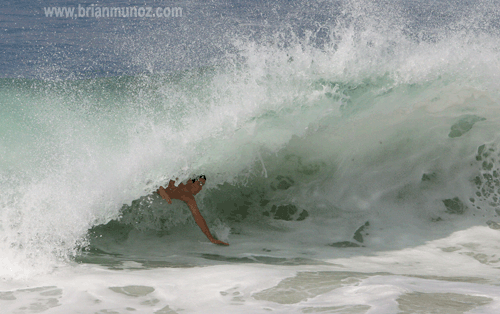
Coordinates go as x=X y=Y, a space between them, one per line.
x=351 y=150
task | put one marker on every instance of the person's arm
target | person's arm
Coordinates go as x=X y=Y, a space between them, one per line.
x=163 y=193
x=201 y=222
x=171 y=184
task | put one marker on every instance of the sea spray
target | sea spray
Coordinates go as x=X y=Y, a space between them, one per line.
x=351 y=117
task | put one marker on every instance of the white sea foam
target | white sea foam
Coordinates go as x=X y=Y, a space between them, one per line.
x=359 y=174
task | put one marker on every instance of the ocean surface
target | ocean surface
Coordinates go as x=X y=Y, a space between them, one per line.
x=351 y=149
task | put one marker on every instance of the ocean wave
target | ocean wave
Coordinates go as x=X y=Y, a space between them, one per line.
x=373 y=125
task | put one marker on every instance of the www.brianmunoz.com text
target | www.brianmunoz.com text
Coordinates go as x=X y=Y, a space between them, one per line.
x=95 y=11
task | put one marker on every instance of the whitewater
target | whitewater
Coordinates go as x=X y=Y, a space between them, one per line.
x=351 y=149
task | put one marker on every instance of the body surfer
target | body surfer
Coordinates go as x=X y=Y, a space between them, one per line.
x=186 y=193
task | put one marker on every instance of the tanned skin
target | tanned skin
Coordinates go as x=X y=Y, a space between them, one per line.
x=186 y=193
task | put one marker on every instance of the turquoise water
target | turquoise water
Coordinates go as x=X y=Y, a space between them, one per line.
x=358 y=173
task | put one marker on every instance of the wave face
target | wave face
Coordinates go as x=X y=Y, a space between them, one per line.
x=370 y=122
